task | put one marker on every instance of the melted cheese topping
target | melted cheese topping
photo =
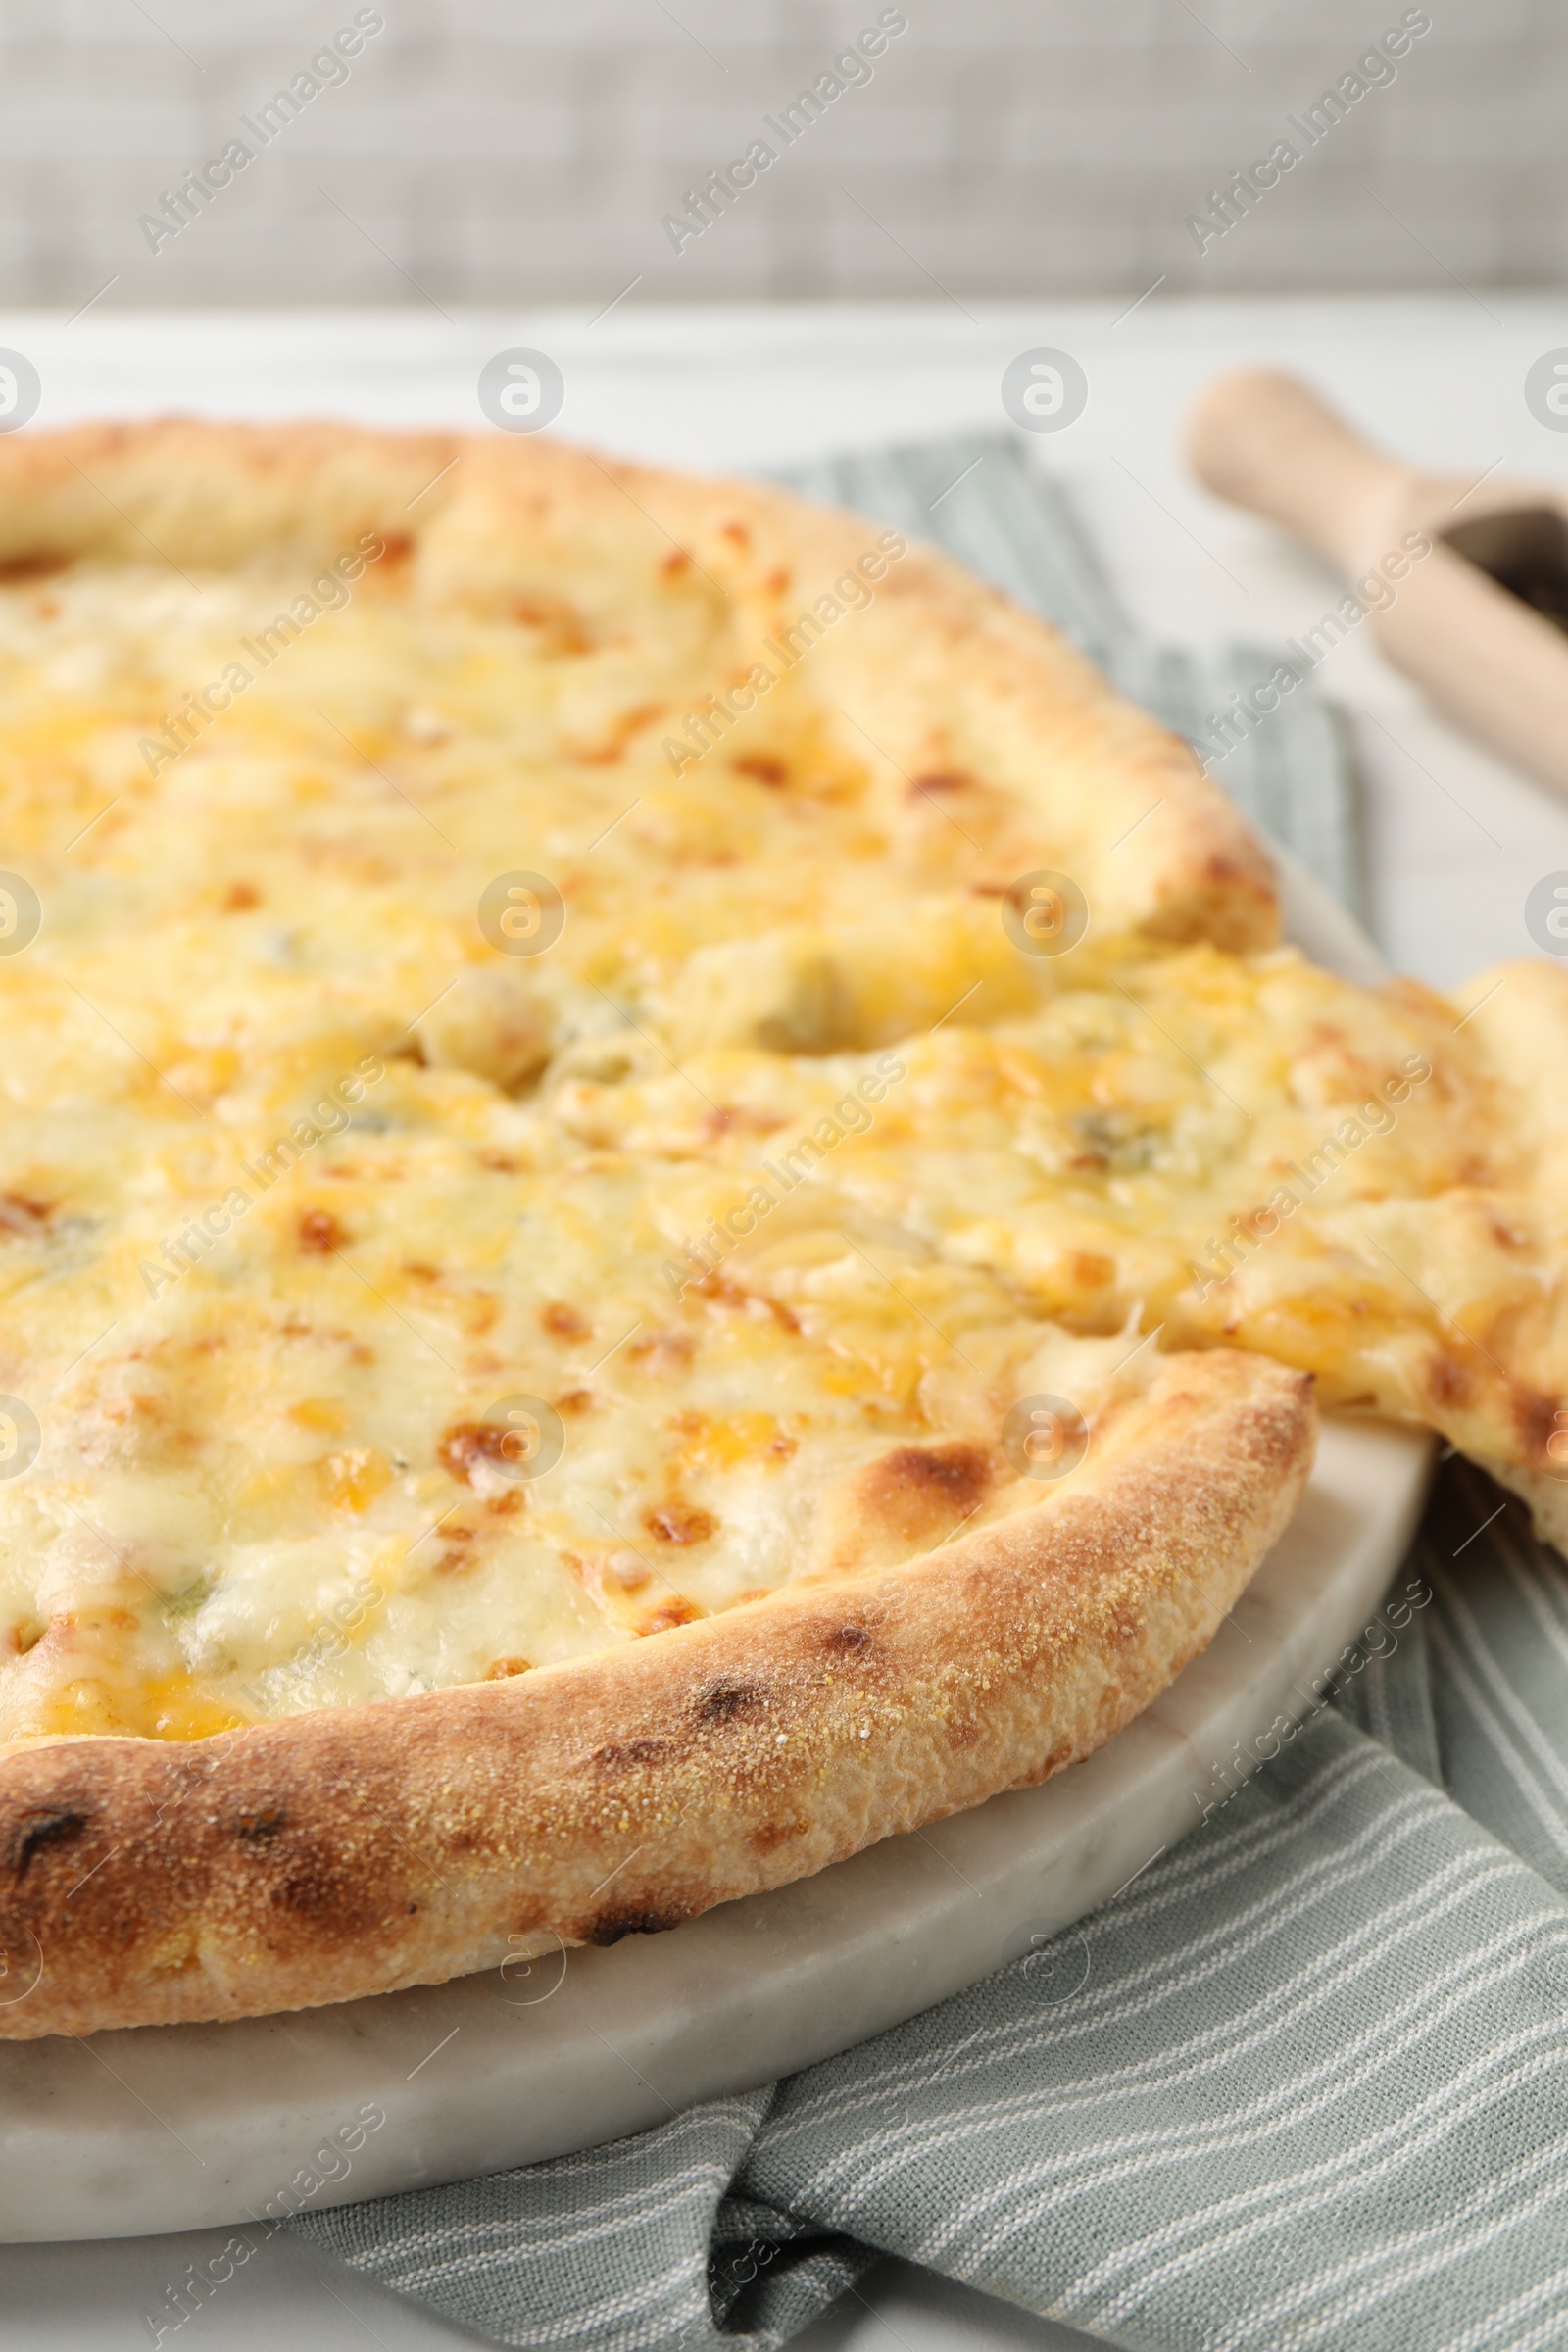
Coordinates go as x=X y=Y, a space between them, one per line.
x=326 y=1215
x=289 y=1215
x=1238 y=1149
x=286 y=1483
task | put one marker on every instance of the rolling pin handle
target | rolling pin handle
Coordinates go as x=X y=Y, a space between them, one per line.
x=1265 y=442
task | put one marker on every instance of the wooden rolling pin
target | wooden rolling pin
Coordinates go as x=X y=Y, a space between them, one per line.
x=1481 y=623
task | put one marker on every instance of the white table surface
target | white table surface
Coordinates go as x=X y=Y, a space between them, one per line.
x=1454 y=839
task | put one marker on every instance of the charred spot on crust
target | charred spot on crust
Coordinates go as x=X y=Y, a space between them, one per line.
x=724 y=1701
x=241 y=897
x=42 y=1828
x=38 y=564
x=563 y=1321
x=918 y=1483
x=907 y=1500
x=762 y=767
x=848 y=1640
x=771 y=1835
x=252 y=1826
x=612 y=1925
x=940 y=780
x=618 y=1757
x=320 y=1232
x=960 y=1471
x=317 y=1887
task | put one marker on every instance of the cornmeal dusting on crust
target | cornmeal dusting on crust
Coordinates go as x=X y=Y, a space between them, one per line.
x=627 y=1791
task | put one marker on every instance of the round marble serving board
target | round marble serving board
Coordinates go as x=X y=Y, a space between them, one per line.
x=177 y=2128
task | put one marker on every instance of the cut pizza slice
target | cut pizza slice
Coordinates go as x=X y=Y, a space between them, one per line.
x=1369 y=1184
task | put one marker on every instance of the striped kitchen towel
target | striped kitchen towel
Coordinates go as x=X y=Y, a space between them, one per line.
x=1304 y=2082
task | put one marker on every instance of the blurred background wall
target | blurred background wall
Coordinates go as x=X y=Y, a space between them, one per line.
x=507 y=151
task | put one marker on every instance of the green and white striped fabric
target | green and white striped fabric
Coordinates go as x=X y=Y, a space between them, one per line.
x=1304 y=2082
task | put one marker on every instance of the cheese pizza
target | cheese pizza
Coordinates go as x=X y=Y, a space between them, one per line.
x=634 y=1212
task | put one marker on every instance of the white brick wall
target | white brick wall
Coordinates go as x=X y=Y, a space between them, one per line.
x=510 y=151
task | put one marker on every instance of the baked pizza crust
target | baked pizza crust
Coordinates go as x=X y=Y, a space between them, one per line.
x=359 y=1850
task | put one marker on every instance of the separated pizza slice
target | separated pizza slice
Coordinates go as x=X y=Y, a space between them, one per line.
x=1369 y=1184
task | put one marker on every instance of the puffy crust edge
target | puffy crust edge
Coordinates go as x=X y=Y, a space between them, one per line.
x=355 y=1851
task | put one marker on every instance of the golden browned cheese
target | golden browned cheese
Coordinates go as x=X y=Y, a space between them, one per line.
x=1368 y=1184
